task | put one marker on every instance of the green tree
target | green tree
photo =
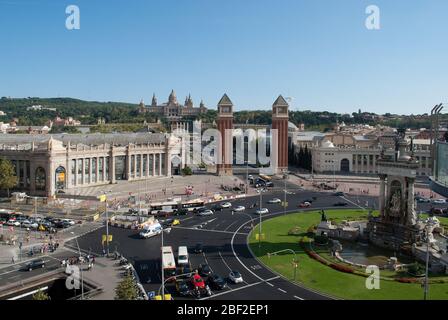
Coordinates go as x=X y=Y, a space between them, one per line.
x=41 y=295
x=8 y=177
x=126 y=290
x=187 y=171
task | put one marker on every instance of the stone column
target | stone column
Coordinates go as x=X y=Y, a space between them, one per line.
x=141 y=165
x=154 y=164
x=83 y=170
x=128 y=166
x=374 y=164
x=412 y=217
x=382 y=197
x=135 y=166
x=147 y=165
x=111 y=168
x=160 y=164
x=97 y=170
x=168 y=164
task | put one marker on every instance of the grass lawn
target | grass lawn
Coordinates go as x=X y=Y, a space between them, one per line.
x=315 y=275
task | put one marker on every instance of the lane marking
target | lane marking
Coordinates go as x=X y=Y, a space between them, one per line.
x=230 y=225
x=237 y=289
x=270 y=284
x=279 y=289
x=298 y=298
x=208 y=230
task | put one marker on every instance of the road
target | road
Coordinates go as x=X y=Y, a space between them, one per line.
x=224 y=236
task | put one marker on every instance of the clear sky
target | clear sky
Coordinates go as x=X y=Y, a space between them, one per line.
x=318 y=52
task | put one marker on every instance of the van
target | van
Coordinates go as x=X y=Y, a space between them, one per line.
x=182 y=258
x=151 y=231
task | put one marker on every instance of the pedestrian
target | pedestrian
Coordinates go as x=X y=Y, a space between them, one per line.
x=12 y=260
x=93 y=259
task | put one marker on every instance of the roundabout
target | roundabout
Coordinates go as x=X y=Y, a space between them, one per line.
x=320 y=271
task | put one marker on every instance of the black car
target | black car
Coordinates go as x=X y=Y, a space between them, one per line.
x=216 y=207
x=186 y=269
x=199 y=248
x=182 y=212
x=35 y=264
x=183 y=288
x=340 y=204
x=204 y=270
x=339 y=194
x=217 y=282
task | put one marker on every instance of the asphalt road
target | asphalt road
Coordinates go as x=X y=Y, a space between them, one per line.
x=224 y=237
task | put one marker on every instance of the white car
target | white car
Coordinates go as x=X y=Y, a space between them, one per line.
x=239 y=208
x=29 y=224
x=206 y=212
x=235 y=277
x=226 y=205
x=13 y=223
x=274 y=201
x=262 y=211
x=71 y=222
x=439 y=201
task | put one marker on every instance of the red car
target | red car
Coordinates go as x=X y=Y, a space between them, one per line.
x=197 y=282
x=305 y=205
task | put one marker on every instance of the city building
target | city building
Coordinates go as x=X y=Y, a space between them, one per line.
x=342 y=152
x=58 y=121
x=48 y=164
x=173 y=110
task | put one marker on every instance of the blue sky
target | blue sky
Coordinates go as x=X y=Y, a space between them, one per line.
x=318 y=52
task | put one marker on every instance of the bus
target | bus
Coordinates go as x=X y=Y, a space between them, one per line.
x=192 y=205
x=168 y=262
x=166 y=207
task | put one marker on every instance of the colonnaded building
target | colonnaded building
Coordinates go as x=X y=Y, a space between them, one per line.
x=357 y=151
x=47 y=164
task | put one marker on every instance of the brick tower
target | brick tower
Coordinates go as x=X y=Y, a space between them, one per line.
x=225 y=121
x=280 y=120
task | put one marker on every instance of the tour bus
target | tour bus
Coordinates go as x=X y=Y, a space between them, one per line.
x=193 y=205
x=164 y=208
x=182 y=258
x=168 y=262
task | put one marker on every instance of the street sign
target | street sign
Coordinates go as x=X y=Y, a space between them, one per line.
x=285 y=204
x=103 y=238
x=151 y=294
x=257 y=236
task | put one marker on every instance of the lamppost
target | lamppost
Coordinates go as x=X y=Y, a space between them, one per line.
x=167 y=230
x=80 y=269
x=285 y=177
x=426 y=284
x=294 y=262
x=261 y=190
x=107 y=220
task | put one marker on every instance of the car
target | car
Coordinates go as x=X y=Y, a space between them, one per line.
x=308 y=200
x=305 y=204
x=204 y=270
x=340 y=204
x=186 y=269
x=423 y=200
x=206 y=212
x=239 y=208
x=199 y=209
x=235 y=277
x=217 y=282
x=199 y=248
x=35 y=264
x=30 y=224
x=226 y=205
x=183 y=288
x=274 y=201
x=69 y=221
x=13 y=223
x=262 y=211
x=197 y=282
x=181 y=212
x=439 y=201
x=339 y=194
x=269 y=184
x=216 y=207
x=437 y=211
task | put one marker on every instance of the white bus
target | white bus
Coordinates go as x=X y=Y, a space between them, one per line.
x=182 y=257
x=168 y=262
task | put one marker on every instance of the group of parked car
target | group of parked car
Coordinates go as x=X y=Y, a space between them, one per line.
x=34 y=223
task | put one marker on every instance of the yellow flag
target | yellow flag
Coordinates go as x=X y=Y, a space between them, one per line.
x=102 y=198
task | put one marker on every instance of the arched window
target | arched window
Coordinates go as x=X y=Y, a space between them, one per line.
x=60 y=178
x=40 y=179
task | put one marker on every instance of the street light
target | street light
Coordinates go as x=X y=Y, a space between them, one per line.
x=167 y=230
x=261 y=190
x=294 y=261
x=285 y=177
x=80 y=269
